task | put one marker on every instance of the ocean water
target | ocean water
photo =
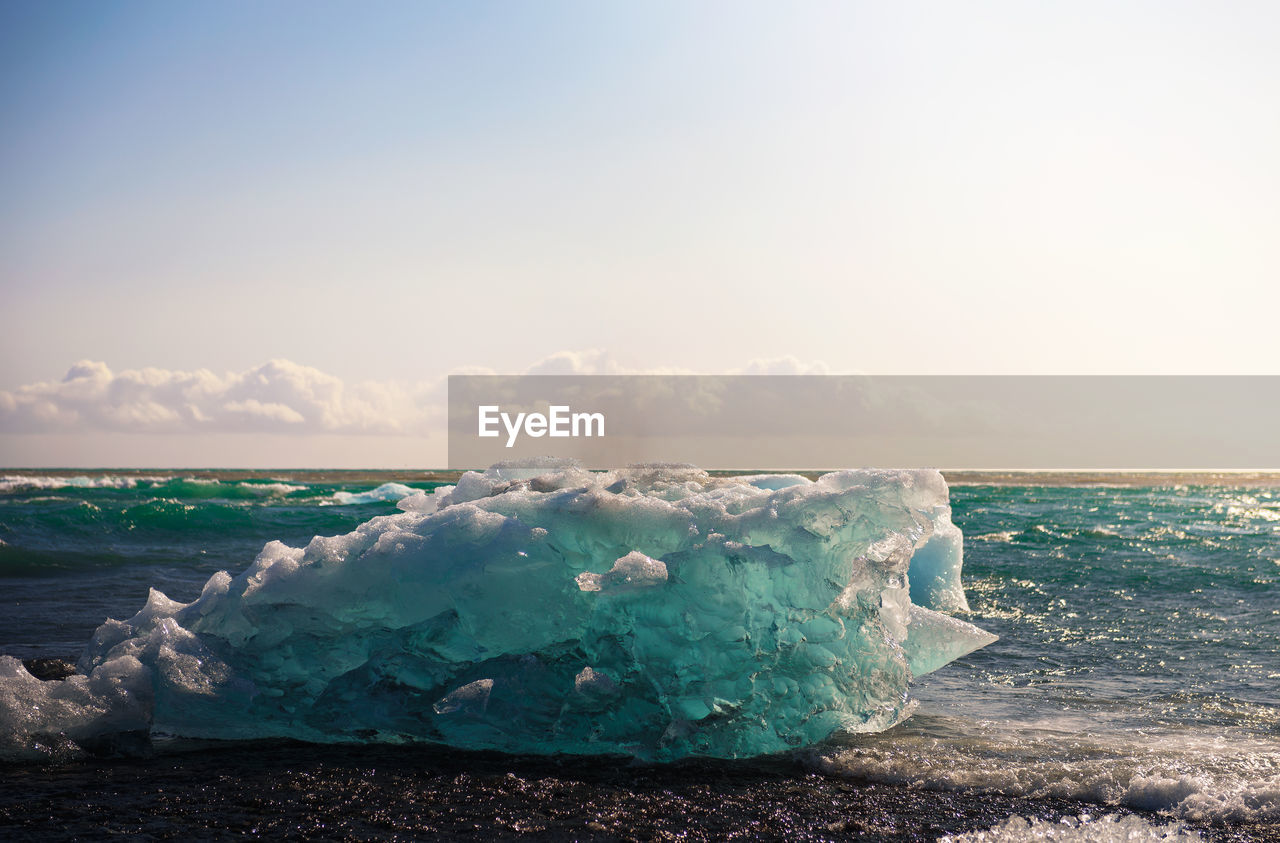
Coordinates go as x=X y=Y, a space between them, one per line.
x=1135 y=687
x=1138 y=662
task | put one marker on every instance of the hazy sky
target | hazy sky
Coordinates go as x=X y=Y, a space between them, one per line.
x=375 y=195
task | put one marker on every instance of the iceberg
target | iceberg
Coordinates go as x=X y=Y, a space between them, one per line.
x=656 y=612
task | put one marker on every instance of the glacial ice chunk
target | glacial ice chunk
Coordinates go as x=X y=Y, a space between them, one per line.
x=935 y=571
x=655 y=611
x=61 y=717
x=934 y=640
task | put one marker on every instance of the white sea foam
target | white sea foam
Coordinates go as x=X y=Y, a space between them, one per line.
x=270 y=489
x=1084 y=828
x=26 y=482
x=1001 y=537
x=1192 y=774
x=385 y=492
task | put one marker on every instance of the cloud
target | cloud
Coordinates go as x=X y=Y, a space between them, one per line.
x=599 y=362
x=787 y=365
x=590 y=362
x=276 y=397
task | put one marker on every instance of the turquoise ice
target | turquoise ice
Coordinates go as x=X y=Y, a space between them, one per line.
x=656 y=612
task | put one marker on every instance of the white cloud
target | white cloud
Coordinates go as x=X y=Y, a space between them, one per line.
x=787 y=365
x=590 y=362
x=599 y=362
x=254 y=407
x=279 y=396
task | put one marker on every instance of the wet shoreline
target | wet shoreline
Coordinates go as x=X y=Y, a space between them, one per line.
x=286 y=790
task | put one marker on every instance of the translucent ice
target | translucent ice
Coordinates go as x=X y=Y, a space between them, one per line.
x=654 y=611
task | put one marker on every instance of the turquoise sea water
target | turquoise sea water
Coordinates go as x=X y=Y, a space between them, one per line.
x=80 y=548
x=1138 y=662
x=1138 y=666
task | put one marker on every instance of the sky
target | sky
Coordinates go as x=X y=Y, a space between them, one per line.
x=251 y=234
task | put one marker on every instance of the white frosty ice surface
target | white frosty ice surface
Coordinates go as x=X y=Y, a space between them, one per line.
x=653 y=611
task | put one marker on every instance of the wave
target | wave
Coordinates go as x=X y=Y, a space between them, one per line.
x=384 y=493
x=29 y=483
x=204 y=489
x=1228 y=775
x=1084 y=828
x=270 y=489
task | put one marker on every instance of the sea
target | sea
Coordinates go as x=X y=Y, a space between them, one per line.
x=1133 y=694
